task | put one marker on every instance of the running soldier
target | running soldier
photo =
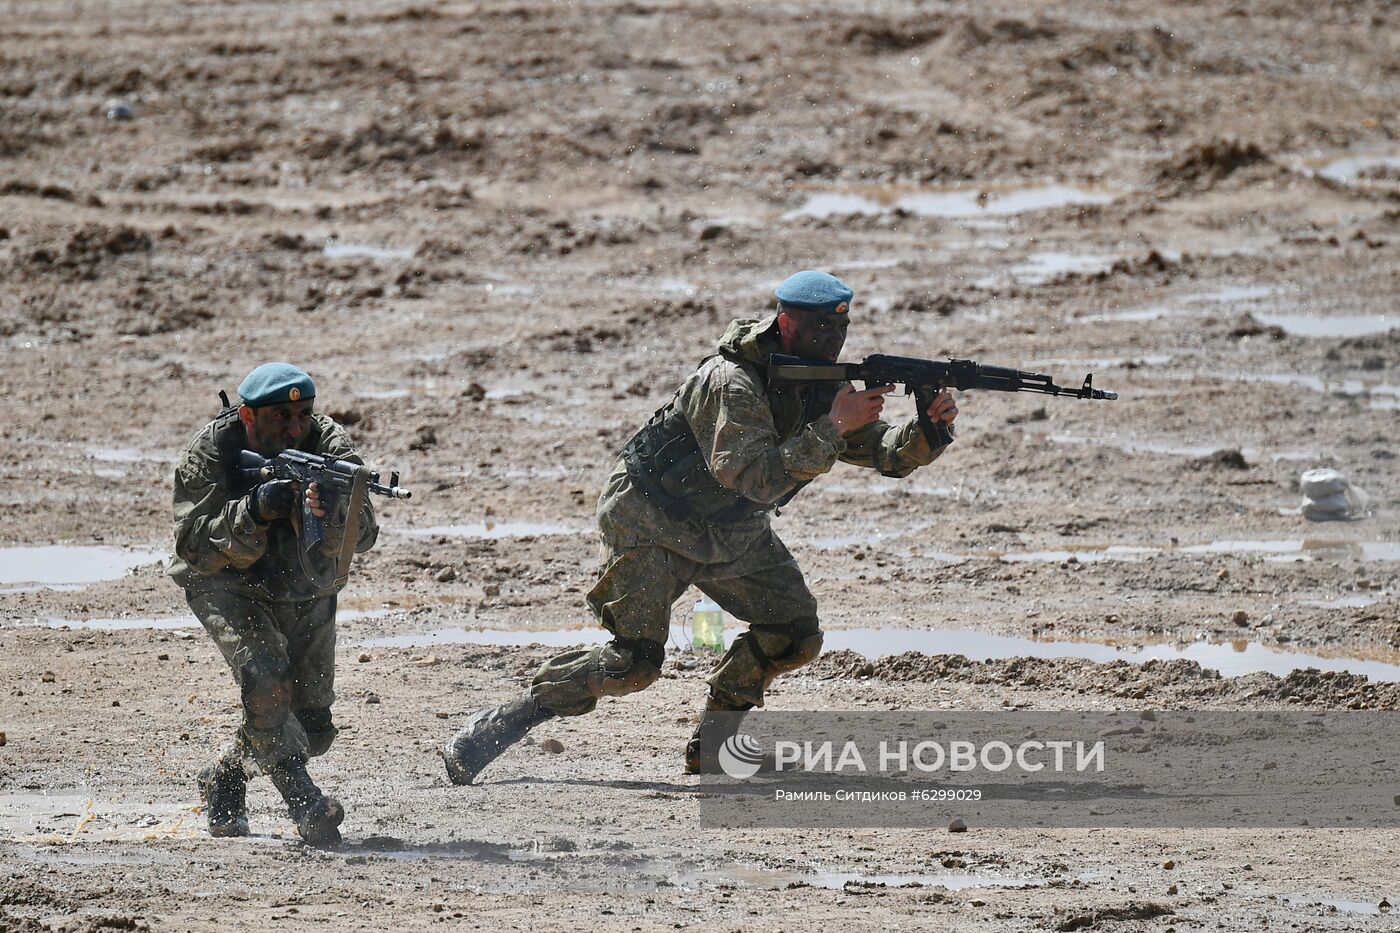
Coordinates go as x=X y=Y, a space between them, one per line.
x=688 y=503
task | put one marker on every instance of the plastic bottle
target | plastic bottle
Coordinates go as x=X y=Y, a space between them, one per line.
x=707 y=626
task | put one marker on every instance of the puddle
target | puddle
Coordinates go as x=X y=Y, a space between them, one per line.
x=1040 y=268
x=1337 y=325
x=1342 y=904
x=984 y=201
x=71 y=818
x=1305 y=549
x=868 y=264
x=383 y=393
x=1226 y=295
x=64 y=855
x=1177 y=450
x=1300 y=549
x=585 y=869
x=677 y=287
x=1140 y=447
x=507 y=289
x=63 y=565
x=1231 y=659
x=1112 y=552
x=951 y=881
x=338 y=249
x=1232 y=293
x=874 y=539
x=550 y=638
x=125 y=455
x=1349 y=169
x=122 y=625
x=496 y=530
x=1354 y=387
x=1107 y=362
x=1141 y=314
x=1342 y=602
x=171 y=623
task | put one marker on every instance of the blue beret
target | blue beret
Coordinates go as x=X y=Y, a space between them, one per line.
x=275 y=383
x=811 y=290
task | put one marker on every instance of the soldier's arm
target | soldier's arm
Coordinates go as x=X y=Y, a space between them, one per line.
x=212 y=531
x=732 y=421
x=893 y=450
x=336 y=443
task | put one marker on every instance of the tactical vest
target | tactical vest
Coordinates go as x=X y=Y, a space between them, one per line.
x=277 y=575
x=665 y=461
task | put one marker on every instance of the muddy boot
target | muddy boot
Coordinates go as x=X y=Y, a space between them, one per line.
x=488 y=733
x=223 y=789
x=317 y=815
x=711 y=733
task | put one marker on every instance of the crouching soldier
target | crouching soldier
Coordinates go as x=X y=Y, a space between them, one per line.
x=236 y=556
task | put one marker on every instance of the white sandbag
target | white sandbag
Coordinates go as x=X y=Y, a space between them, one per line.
x=1323 y=482
x=1328 y=497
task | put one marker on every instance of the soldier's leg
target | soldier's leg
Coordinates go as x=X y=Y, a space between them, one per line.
x=765 y=589
x=310 y=635
x=310 y=631
x=250 y=636
x=783 y=634
x=632 y=599
x=247 y=634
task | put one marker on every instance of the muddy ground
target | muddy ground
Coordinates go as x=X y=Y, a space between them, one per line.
x=498 y=235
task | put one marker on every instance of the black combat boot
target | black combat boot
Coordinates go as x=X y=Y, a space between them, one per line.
x=223 y=789
x=317 y=815
x=701 y=752
x=488 y=733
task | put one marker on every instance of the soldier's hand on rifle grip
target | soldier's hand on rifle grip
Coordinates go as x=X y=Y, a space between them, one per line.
x=313 y=501
x=944 y=408
x=273 y=500
x=851 y=409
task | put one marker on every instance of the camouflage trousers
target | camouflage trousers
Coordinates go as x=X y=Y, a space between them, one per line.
x=282 y=656
x=633 y=598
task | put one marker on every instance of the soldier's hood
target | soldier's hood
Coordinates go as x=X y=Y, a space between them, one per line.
x=751 y=339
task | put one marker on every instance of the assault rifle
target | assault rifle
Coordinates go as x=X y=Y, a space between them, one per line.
x=337 y=481
x=922 y=378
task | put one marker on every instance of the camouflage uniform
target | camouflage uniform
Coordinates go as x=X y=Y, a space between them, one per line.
x=274 y=627
x=759 y=445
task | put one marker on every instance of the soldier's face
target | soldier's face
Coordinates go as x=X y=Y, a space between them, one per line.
x=812 y=335
x=272 y=429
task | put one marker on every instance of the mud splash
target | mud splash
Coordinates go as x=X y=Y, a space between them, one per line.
x=60 y=819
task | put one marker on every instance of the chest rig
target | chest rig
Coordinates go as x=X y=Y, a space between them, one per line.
x=665 y=461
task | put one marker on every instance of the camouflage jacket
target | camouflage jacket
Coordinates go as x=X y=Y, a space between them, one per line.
x=218 y=544
x=759 y=442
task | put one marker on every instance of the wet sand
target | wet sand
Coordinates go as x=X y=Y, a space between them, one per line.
x=498 y=236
